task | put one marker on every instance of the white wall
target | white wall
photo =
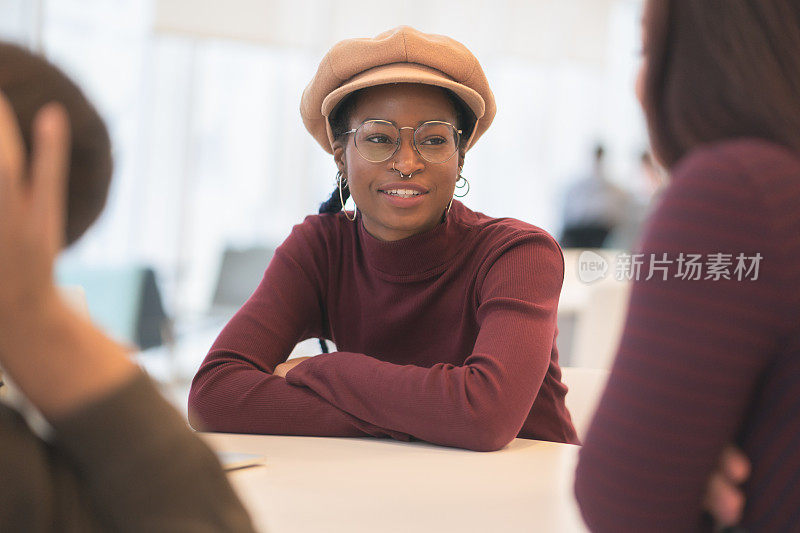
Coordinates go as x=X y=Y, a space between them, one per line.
x=202 y=101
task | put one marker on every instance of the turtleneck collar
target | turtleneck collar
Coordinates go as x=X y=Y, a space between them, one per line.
x=421 y=255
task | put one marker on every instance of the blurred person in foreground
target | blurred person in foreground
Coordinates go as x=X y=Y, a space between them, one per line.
x=120 y=457
x=709 y=357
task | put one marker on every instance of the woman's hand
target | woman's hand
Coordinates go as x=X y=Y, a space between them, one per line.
x=56 y=358
x=283 y=368
x=32 y=208
x=724 y=497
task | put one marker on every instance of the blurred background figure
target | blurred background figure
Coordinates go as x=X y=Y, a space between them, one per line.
x=647 y=183
x=212 y=167
x=650 y=181
x=594 y=207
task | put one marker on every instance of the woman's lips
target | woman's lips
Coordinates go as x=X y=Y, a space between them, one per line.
x=402 y=198
x=403 y=185
x=403 y=194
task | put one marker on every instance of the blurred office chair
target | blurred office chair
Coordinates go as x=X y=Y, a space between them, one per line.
x=241 y=270
x=240 y=273
x=125 y=301
x=585 y=385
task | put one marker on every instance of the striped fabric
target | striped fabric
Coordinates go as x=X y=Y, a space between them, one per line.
x=709 y=361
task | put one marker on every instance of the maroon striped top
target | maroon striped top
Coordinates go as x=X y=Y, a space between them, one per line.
x=447 y=336
x=705 y=362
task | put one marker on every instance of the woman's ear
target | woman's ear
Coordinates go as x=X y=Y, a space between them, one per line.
x=338 y=155
x=461 y=155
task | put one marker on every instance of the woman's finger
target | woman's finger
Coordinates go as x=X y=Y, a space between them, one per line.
x=735 y=465
x=724 y=501
x=12 y=148
x=50 y=163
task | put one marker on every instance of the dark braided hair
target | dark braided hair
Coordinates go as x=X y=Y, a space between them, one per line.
x=334 y=203
x=340 y=123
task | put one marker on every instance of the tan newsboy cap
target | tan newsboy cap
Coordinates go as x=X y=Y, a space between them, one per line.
x=400 y=55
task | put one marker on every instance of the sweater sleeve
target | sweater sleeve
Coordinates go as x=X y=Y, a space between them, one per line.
x=127 y=462
x=39 y=489
x=691 y=355
x=482 y=404
x=234 y=390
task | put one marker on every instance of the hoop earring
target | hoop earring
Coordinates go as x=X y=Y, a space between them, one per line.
x=465 y=184
x=341 y=197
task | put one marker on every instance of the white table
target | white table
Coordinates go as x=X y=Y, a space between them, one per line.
x=311 y=484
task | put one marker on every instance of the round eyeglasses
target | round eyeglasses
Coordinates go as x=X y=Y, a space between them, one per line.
x=378 y=140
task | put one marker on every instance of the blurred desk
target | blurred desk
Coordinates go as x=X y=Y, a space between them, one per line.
x=353 y=485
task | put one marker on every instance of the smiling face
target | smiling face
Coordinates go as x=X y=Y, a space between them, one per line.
x=379 y=191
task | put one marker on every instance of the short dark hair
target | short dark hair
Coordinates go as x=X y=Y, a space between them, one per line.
x=719 y=69
x=29 y=81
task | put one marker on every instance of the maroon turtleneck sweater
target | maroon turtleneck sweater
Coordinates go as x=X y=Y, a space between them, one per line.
x=447 y=336
x=706 y=362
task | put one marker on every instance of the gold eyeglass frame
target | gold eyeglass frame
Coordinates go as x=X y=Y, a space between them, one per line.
x=413 y=139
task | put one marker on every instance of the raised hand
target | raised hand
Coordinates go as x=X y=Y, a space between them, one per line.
x=32 y=212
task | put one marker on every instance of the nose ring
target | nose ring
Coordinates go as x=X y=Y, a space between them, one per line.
x=402 y=176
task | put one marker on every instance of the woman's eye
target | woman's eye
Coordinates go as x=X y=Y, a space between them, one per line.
x=379 y=139
x=434 y=140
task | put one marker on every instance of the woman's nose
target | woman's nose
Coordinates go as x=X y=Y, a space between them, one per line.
x=407 y=159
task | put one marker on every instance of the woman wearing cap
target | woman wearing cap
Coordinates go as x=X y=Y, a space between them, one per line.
x=444 y=318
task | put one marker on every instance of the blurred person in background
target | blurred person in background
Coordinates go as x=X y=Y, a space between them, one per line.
x=444 y=318
x=593 y=207
x=710 y=360
x=648 y=186
x=120 y=458
x=650 y=183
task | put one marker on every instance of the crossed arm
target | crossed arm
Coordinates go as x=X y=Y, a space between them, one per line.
x=480 y=405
